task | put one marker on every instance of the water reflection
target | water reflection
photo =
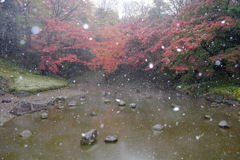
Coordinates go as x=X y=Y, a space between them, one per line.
x=186 y=135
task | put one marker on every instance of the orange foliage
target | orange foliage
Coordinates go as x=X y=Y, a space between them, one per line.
x=109 y=51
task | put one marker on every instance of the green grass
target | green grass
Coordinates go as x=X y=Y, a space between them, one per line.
x=227 y=87
x=21 y=79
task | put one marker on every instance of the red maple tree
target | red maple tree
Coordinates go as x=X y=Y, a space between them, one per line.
x=58 y=40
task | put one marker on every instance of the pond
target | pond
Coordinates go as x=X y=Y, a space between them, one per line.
x=186 y=134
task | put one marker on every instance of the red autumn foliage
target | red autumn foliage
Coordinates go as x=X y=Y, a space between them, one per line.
x=169 y=44
x=180 y=44
x=48 y=63
x=109 y=51
x=57 y=38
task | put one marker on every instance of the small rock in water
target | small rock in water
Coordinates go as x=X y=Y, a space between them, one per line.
x=82 y=96
x=2 y=93
x=107 y=101
x=208 y=117
x=104 y=93
x=89 y=137
x=175 y=107
x=133 y=105
x=224 y=124
x=93 y=114
x=51 y=102
x=82 y=99
x=214 y=104
x=138 y=91
x=60 y=99
x=72 y=103
x=158 y=127
x=148 y=96
x=111 y=139
x=6 y=100
x=60 y=106
x=44 y=115
x=25 y=134
x=121 y=103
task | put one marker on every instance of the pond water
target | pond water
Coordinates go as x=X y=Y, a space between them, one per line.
x=187 y=135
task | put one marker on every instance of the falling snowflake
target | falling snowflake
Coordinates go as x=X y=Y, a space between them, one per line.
x=35 y=30
x=176 y=109
x=217 y=62
x=198 y=137
x=179 y=50
x=150 y=65
x=85 y=26
x=22 y=42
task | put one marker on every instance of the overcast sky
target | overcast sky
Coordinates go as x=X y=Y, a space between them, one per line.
x=121 y=2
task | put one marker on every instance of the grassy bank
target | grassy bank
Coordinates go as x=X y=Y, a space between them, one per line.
x=228 y=88
x=18 y=79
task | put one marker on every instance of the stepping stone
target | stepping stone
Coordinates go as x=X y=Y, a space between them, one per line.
x=111 y=139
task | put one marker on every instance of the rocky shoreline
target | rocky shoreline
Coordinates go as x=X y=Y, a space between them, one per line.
x=9 y=101
x=33 y=102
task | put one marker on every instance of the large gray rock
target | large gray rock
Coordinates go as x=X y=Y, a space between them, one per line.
x=25 y=134
x=24 y=107
x=89 y=137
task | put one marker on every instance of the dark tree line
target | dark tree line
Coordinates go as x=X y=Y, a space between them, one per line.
x=8 y=29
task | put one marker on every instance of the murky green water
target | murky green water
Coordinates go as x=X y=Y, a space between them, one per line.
x=187 y=134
